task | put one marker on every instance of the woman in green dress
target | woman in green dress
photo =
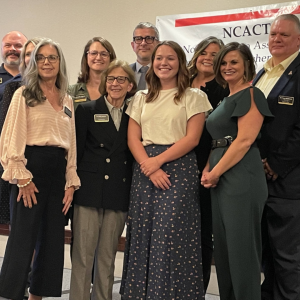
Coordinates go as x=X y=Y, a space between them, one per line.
x=235 y=174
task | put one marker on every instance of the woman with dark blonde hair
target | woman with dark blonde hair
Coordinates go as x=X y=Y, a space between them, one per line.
x=202 y=76
x=105 y=170
x=98 y=53
x=163 y=248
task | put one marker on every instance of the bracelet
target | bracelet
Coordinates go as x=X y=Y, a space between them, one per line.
x=23 y=185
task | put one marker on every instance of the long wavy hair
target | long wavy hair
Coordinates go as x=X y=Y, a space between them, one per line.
x=118 y=63
x=34 y=42
x=85 y=69
x=33 y=93
x=192 y=65
x=183 y=80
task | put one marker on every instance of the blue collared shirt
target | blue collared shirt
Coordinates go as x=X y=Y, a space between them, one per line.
x=11 y=79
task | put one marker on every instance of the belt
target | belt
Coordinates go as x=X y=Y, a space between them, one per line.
x=224 y=142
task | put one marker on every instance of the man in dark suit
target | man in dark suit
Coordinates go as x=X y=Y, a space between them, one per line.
x=280 y=150
x=145 y=38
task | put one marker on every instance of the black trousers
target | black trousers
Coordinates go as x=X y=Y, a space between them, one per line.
x=40 y=228
x=281 y=249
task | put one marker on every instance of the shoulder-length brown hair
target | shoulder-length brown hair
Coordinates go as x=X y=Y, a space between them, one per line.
x=118 y=63
x=85 y=69
x=154 y=85
x=246 y=55
x=198 y=50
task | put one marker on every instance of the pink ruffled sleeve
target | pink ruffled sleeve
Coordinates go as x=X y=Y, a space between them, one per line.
x=13 y=140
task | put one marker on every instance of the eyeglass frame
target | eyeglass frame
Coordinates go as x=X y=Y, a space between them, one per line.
x=99 y=53
x=153 y=38
x=46 y=57
x=116 y=78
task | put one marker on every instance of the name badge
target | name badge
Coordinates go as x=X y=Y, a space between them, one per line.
x=0 y=80
x=80 y=100
x=286 y=100
x=101 y=118
x=68 y=112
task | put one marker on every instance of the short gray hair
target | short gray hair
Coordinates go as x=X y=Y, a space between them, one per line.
x=289 y=17
x=143 y=25
x=33 y=93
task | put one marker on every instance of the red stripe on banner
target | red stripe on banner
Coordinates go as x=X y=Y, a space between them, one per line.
x=233 y=17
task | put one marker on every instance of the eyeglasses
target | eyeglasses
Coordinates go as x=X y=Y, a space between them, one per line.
x=120 y=79
x=51 y=58
x=103 y=54
x=148 y=39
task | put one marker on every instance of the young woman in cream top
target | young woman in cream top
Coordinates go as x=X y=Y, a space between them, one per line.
x=163 y=249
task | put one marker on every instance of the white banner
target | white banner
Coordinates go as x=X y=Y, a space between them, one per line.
x=245 y=25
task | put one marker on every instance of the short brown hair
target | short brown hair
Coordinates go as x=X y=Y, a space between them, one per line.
x=183 y=80
x=85 y=69
x=246 y=55
x=118 y=63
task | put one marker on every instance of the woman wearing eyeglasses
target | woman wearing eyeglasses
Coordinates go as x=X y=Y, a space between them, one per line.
x=97 y=55
x=105 y=170
x=38 y=154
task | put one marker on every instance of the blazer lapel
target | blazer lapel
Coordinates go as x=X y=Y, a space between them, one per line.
x=108 y=127
x=284 y=79
x=257 y=77
x=122 y=133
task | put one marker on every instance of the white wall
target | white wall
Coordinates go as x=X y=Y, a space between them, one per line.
x=73 y=22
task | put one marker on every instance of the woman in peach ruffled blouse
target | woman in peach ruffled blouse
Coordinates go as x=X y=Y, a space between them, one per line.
x=38 y=154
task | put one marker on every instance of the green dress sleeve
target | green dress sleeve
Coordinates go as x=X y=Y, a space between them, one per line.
x=243 y=104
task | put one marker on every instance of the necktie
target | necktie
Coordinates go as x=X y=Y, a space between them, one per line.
x=142 y=83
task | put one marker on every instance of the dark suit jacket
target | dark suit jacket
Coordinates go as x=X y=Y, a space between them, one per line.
x=133 y=67
x=280 y=142
x=104 y=161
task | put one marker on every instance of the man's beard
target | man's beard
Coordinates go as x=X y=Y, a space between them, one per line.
x=11 y=62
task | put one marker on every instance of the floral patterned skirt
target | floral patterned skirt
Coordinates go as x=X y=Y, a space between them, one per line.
x=163 y=244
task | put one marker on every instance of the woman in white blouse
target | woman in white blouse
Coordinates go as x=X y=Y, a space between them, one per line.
x=38 y=154
x=163 y=250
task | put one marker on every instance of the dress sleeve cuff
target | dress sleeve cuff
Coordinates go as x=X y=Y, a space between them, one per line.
x=72 y=179
x=13 y=175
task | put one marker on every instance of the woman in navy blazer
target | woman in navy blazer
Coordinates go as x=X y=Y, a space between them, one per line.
x=105 y=170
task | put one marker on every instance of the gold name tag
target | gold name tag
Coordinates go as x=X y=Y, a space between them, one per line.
x=0 y=80
x=101 y=118
x=80 y=100
x=286 y=100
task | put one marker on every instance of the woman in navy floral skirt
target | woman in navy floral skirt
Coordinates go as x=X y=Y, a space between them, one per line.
x=163 y=249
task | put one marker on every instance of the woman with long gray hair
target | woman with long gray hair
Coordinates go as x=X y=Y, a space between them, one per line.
x=38 y=154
